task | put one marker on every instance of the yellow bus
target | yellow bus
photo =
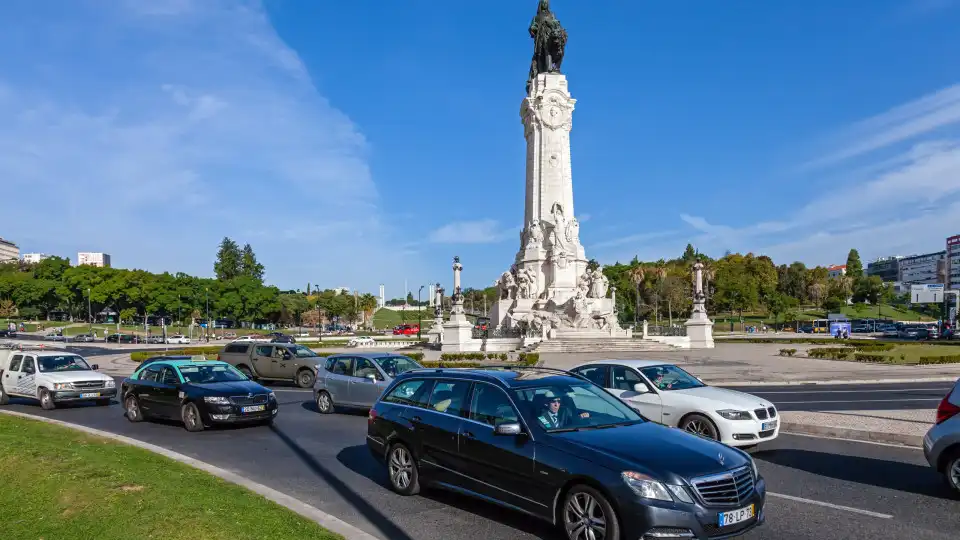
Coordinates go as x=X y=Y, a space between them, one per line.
x=821 y=326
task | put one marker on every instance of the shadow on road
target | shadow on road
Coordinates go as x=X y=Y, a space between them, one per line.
x=312 y=407
x=383 y=524
x=918 y=479
x=359 y=460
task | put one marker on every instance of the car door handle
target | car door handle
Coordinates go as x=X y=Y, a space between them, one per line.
x=468 y=435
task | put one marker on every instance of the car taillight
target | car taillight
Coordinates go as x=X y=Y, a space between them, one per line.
x=946 y=410
x=371 y=416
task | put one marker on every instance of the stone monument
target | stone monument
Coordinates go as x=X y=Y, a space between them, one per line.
x=550 y=290
x=699 y=326
x=457 y=332
x=436 y=299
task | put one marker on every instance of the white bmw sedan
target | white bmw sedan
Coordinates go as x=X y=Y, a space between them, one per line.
x=669 y=395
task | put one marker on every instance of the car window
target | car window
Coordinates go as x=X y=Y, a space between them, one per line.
x=582 y=405
x=409 y=393
x=624 y=378
x=365 y=367
x=305 y=352
x=278 y=352
x=213 y=373
x=169 y=377
x=151 y=374
x=491 y=406
x=395 y=365
x=264 y=350
x=671 y=378
x=596 y=374
x=15 y=362
x=28 y=366
x=343 y=366
x=448 y=396
x=329 y=364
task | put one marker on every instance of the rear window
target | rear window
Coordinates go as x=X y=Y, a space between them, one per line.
x=236 y=348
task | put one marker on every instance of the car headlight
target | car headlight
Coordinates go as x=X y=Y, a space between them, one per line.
x=219 y=400
x=646 y=487
x=272 y=396
x=109 y=383
x=731 y=414
x=62 y=386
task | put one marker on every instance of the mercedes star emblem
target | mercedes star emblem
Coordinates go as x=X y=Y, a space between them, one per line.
x=720 y=456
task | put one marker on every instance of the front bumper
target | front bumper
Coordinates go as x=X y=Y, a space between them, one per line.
x=60 y=396
x=655 y=520
x=233 y=414
x=747 y=432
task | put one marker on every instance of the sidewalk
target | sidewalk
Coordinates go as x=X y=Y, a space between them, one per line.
x=906 y=427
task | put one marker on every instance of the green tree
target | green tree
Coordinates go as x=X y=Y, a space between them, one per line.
x=51 y=268
x=854 y=266
x=249 y=266
x=689 y=254
x=228 y=263
x=411 y=301
x=593 y=264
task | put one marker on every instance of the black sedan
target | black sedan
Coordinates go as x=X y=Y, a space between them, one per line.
x=198 y=393
x=558 y=447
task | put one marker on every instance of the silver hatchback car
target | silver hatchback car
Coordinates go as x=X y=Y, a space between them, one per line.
x=941 y=445
x=357 y=379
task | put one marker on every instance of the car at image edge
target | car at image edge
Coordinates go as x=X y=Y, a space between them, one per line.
x=668 y=395
x=941 y=444
x=612 y=475
x=52 y=377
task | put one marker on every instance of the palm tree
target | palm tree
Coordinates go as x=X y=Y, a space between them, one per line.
x=660 y=270
x=637 y=276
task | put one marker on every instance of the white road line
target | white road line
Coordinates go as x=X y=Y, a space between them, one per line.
x=936 y=400
x=944 y=389
x=830 y=505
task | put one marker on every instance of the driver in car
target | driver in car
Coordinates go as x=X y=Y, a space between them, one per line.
x=554 y=416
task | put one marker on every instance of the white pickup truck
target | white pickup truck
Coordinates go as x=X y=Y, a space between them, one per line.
x=52 y=377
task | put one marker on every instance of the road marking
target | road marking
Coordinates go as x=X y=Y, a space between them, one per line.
x=830 y=505
x=889 y=445
x=937 y=400
x=945 y=388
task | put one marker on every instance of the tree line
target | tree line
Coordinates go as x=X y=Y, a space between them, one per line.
x=53 y=287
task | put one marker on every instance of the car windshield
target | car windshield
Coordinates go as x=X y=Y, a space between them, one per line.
x=217 y=373
x=671 y=378
x=305 y=352
x=70 y=362
x=395 y=365
x=573 y=407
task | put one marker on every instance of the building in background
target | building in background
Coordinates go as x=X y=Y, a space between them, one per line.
x=887 y=268
x=93 y=259
x=953 y=262
x=8 y=251
x=381 y=300
x=341 y=290
x=33 y=258
x=837 y=270
x=928 y=268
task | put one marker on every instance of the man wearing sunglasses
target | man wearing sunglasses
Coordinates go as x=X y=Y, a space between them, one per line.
x=554 y=416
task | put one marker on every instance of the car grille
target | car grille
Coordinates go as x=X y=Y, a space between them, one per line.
x=772 y=411
x=729 y=488
x=761 y=414
x=87 y=385
x=259 y=399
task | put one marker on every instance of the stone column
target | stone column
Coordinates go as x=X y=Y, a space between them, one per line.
x=458 y=332
x=699 y=326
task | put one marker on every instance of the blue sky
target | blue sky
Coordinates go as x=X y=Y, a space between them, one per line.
x=366 y=142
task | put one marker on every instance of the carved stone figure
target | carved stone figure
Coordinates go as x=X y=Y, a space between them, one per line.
x=550 y=40
x=535 y=234
x=598 y=284
x=572 y=232
x=526 y=283
x=507 y=286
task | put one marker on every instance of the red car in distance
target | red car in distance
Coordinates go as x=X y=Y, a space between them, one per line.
x=406 y=330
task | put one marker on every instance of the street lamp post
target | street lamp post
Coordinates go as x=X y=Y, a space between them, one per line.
x=419 y=311
x=319 y=319
x=179 y=320
x=89 y=312
x=207 y=296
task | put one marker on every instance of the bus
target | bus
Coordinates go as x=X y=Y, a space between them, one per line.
x=821 y=326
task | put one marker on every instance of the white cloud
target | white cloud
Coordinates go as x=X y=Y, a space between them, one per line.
x=147 y=125
x=483 y=231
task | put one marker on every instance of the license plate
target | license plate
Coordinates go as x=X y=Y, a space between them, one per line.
x=253 y=408
x=735 y=516
x=768 y=426
x=92 y=394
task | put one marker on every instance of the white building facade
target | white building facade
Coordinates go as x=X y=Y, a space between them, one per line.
x=93 y=259
x=8 y=251
x=34 y=258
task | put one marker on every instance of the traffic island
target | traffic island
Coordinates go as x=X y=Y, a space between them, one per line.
x=67 y=484
x=904 y=427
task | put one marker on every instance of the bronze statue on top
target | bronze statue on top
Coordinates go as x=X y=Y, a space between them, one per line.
x=549 y=39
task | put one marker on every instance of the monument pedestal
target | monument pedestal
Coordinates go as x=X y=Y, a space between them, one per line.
x=700 y=331
x=458 y=335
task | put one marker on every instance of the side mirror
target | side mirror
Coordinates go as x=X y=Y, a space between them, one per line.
x=95 y=367
x=507 y=429
x=641 y=388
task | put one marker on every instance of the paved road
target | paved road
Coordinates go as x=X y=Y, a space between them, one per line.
x=856 y=397
x=830 y=490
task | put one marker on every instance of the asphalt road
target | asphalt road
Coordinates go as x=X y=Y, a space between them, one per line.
x=856 y=397
x=821 y=489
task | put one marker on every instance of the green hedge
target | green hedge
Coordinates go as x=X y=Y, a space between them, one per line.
x=834 y=353
x=864 y=357
x=788 y=352
x=949 y=359
x=478 y=356
x=833 y=341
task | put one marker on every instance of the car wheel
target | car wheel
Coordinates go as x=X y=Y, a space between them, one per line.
x=46 y=400
x=131 y=406
x=306 y=378
x=246 y=372
x=403 y=471
x=951 y=471
x=700 y=425
x=587 y=515
x=325 y=403
x=191 y=417
x=4 y=397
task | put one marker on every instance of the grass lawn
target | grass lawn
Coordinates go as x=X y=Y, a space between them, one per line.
x=59 y=483
x=388 y=318
x=911 y=353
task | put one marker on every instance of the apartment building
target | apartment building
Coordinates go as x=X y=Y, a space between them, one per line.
x=924 y=269
x=93 y=259
x=8 y=251
x=953 y=262
x=33 y=258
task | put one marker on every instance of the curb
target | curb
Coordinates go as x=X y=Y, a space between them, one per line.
x=914 y=441
x=327 y=521
x=833 y=382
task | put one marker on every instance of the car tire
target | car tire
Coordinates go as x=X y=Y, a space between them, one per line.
x=306 y=378
x=699 y=424
x=951 y=472
x=190 y=415
x=584 y=507
x=325 y=403
x=402 y=470
x=132 y=410
x=246 y=372
x=4 y=397
x=46 y=400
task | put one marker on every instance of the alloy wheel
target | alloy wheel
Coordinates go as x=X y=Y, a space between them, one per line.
x=401 y=467
x=323 y=402
x=700 y=426
x=955 y=474
x=583 y=518
x=133 y=411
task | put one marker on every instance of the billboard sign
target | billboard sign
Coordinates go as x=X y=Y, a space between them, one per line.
x=929 y=293
x=839 y=326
